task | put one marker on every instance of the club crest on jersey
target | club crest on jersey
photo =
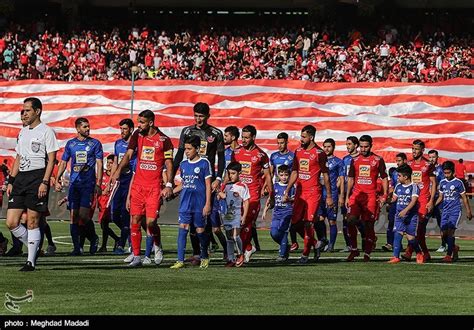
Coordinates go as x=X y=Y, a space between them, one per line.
x=312 y=156
x=211 y=138
x=162 y=138
x=407 y=191
x=157 y=144
x=197 y=170
x=373 y=163
x=236 y=194
x=452 y=187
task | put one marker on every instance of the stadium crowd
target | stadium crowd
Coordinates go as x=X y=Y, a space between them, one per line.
x=392 y=53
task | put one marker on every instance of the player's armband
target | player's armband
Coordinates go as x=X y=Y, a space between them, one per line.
x=169 y=154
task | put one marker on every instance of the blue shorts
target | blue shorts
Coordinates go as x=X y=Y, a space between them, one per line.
x=281 y=222
x=323 y=211
x=195 y=218
x=80 y=196
x=450 y=220
x=392 y=210
x=117 y=206
x=344 y=210
x=406 y=225
x=215 y=217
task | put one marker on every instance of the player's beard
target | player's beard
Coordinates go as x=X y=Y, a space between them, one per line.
x=144 y=131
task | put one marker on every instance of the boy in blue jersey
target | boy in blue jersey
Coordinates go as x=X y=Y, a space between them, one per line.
x=195 y=200
x=119 y=213
x=451 y=191
x=234 y=207
x=405 y=195
x=86 y=157
x=282 y=212
x=400 y=159
x=436 y=212
x=336 y=179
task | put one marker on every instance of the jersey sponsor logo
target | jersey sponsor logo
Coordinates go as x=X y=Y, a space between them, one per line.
x=364 y=181
x=304 y=176
x=364 y=170
x=78 y=168
x=197 y=170
x=304 y=164
x=416 y=176
x=148 y=167
x=246 y=168
x=148 y=153
x=246 y=180
x=35 y=146
x=81 y=157
x=120 y=156
x=203 y=148
x=210 y=138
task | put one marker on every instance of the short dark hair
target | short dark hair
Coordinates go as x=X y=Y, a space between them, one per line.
x=366 y=138
x=283 y=136
x=432 y=151
x=234 y=166
x=402 y=155
x=284 y=169
x=420 y=143
x=250 y=129
x=448 y=165
x=331 y=141
x=202 y=108
x=353 y=139
x=81 y=120
x=35 y=102
x=405 y=170
x=193 y=140
x=111 y=156
x=128 y=122
x=310 y=129
x=233 y=130
x=147 y=114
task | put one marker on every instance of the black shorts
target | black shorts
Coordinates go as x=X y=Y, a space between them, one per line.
x=24 y=194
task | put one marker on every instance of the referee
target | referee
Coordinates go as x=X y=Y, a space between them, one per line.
x=28 y=184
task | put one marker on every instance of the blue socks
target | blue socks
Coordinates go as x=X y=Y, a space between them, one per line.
x=74 y=230
x=182 y=233
x=148 y=245
x=204 y=242
x=332 y=235
x=397 y=244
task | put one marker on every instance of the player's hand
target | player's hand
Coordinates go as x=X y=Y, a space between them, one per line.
x=242 y=221
x=221 y=195
x=167 y=192
x=58 y=186
x=98 y=190
x=402 y=214
x=382 y=201
x=127 y=204
x=469 y=215
x=329 y=202
x=265 y=210
x=62 y=201
x=429 y=206
x=113 y=178
x=9 y=189
x=347 y=203
x=341 y=201
x=285 y=198
x=206 y=210
x=215 y=185
x=42 y=190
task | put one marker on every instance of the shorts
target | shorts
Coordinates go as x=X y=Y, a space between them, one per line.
x=450 y=220
x=363 y=205
x=323 y=211
x=80 y=196
x=145 y=201
x=195 y=218
x=254 y=210
x=281 y=222
x=422 y=210
x=118 y=210
x=306 y=206
x=215 y=217
x=407 y=225
x=231 y=224
x=25 y=192
x=104 y=211
x=392 y=210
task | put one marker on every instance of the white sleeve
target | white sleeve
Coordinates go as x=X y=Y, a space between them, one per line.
x=245 y=193
x=51 y=142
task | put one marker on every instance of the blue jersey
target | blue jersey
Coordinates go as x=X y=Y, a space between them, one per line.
x=194 y=175
x=394 y=179
x=405 y=194
x=277 y=159
x=336 y=169
x=120 y=148
x=439 y=175
x=282 y=208
x=452 y=191
x=347 y=160
x=228 y=155
x=83 y=156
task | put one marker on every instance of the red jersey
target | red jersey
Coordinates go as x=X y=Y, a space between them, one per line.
x=103 y=198
x=366 y=171
x=309 y=164
x=152 y=151
x=253 y=163
x=422 y=171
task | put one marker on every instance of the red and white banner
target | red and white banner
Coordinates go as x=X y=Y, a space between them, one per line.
x=394 y=114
